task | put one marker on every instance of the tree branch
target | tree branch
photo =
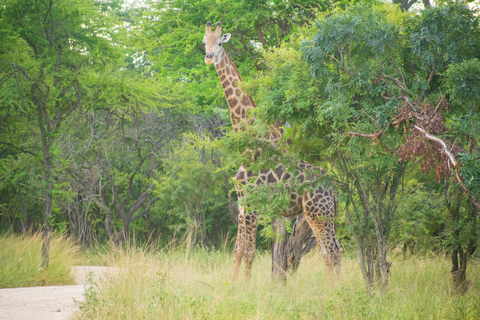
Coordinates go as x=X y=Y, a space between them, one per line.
x=141 y=200
x=18 y=148
x=147 y=209
x=374 y=136
x=453 y=161
x=450 y=156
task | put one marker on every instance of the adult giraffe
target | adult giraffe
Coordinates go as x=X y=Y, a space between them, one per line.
x=318 y=205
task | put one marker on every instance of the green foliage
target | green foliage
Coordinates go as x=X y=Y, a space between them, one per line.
x=422 y=219
x=345 y=85
x=447 y=34
x=192 y=191
x=121 y=84
x=173 y=31
x=470 y=172
x=463 y=81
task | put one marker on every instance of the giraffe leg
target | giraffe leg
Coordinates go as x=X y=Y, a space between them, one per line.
x=251 y=222
x=337 y=261
x=239 y=243
x=319 y=210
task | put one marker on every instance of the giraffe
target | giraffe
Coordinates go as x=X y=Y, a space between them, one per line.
x=318 y=205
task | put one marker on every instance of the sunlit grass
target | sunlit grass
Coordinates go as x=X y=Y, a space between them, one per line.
x=21 y=257
x=181 y=284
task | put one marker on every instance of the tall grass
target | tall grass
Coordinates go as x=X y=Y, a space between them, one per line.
x=21 y=257
x=179 y=284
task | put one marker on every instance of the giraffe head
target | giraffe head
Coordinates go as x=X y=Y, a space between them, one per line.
x=213 y=42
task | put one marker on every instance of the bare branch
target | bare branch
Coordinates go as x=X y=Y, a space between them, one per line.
x=451 y=157
x=141 y=200
x=18 y=148
x=374 y=136
x=6 y=77
x=432 y=73
x=438 y=104
x=147 y=209
x=398 y=82
x=445 y=150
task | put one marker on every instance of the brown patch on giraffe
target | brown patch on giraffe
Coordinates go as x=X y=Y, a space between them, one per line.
x=279 y=171
x=260 y=180
x=245 y=100
x=301 y=178
x=299 y=202
x=238 y=111
x=228 y=92
x=222 y=78
x=225 y=84
x=240 y=175
x=244 y=113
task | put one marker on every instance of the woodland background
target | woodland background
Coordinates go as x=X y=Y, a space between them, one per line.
x=112 y=126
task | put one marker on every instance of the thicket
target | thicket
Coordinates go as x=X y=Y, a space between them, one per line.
x=111 y=125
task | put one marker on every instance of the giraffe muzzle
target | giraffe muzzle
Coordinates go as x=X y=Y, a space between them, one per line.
x=209 y=58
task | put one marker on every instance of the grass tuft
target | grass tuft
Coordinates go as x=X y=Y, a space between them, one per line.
x=21 y=257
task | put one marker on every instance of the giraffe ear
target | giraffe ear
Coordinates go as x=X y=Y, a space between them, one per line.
x=226 y=37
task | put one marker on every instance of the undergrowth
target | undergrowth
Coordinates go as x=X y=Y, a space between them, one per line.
x=176 y=283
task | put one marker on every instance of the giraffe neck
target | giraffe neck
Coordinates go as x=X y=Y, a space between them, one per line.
x=239 y=103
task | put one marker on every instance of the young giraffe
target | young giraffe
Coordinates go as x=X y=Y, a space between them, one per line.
x=317 y=205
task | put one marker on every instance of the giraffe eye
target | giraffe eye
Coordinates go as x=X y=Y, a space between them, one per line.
x=220 y=44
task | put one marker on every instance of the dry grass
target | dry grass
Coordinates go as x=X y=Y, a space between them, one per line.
x=178 y=284
x=21 y=256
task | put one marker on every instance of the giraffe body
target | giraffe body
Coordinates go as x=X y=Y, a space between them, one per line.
x=318 y=205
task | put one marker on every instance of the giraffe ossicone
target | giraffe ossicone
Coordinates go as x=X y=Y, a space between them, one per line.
x=318 y=205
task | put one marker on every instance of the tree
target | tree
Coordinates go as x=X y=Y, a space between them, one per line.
x=57 y=43
x=379 y=95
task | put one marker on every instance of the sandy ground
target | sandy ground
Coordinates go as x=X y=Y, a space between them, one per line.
x=45 y=303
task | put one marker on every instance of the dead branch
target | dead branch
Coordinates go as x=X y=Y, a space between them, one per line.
x=445 y=150
x=451 y=157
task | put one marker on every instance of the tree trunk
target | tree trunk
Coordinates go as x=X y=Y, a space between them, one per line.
x=125 y=230
x=459 y=271
x=286 y=255
x=46 y=237
x=279 y=241
x=300 y=243
x=459 y=255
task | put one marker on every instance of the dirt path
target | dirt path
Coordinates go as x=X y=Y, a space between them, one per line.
x=45 y=303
